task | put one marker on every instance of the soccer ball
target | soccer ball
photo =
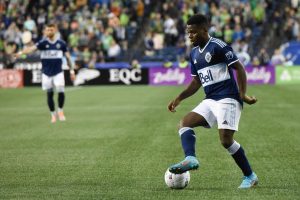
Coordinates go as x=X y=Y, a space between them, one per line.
x=177 y=181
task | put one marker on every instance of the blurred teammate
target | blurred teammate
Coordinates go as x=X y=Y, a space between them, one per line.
x=212 y=64
x=52 y=51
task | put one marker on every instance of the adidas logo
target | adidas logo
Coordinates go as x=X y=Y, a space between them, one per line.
x=225 y=122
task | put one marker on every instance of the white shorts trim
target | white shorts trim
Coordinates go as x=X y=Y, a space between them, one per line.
x=225 y=112
x=49 y=82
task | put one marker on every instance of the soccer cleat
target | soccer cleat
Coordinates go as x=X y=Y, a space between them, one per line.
x=61 y=116
x=249 y=181
x=189 y=163
x=53 y=119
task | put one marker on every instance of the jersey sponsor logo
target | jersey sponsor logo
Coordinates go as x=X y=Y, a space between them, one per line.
x=213 y=74
x=51 y=54
x=206 y=77
x=208 y=57
x=229 y=55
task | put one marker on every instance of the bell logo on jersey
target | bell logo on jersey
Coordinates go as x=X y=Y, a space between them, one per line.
x=213 y=74
x=206 y=77
x=51 y=54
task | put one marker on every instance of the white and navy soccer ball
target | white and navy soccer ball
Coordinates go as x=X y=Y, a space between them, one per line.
x=177 y=181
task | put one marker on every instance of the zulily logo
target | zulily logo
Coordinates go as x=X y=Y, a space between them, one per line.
x=171 y=75
x=206 y=77
x=259 y=75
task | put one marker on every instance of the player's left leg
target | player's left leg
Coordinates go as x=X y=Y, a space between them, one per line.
x=61 y=102
x=238 y=154
x=59 y=82
x=228 y=116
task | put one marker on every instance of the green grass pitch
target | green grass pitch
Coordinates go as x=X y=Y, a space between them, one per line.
x=118 y=142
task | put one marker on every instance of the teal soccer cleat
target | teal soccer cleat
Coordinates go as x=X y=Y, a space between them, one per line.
x=189 y=163
x=249 y=181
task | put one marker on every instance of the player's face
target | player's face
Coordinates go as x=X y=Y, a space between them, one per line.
x=50 y=32
x=197 y=34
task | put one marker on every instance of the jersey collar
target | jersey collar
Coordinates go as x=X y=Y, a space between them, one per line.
x=201 y=50
x=52 y=42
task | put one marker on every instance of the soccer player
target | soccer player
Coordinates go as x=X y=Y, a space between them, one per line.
x=212 y=64
x=52 y=51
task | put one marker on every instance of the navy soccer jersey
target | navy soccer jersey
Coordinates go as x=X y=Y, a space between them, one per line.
x=212 y=65
x=51 y=55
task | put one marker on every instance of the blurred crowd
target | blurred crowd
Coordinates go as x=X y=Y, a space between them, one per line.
x=99 y=31
x=95 y=30
x=239 y=23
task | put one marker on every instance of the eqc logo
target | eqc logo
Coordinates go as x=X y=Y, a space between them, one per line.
x=206 y=77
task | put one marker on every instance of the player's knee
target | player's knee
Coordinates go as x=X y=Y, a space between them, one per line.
x=226 y=142
x=60 y=89
x=50 y=93
x=181 y=124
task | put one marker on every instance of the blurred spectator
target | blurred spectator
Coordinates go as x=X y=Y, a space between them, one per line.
x=170 y=31
x=135 y=64
x=183 y=63
x=114 y=50
x=263 y=57
x=278 y=58
x=149 y=44
x=255 y=61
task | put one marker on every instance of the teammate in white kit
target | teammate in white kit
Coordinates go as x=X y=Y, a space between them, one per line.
x=52 y=52
x=212 y=64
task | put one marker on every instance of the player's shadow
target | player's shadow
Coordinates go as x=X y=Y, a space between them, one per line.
x=204 y=188
x=192 y=189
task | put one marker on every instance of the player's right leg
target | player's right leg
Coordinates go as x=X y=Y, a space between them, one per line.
x=59 y=82
x=47 y=85
x=188 y=141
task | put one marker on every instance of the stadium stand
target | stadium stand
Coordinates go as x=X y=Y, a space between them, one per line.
x=100 y=31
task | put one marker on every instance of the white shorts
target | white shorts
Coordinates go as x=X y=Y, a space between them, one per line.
x=225 y=112
x=49 y=82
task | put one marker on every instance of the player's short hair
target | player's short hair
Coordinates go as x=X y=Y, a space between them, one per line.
x=51 y=25
x=198 y=19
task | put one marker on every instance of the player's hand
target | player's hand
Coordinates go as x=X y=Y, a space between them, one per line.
x=72 y=75
x=249 y=99
x=173 y=104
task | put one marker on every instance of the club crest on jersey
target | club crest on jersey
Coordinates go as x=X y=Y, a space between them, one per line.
x=58 y=46
x=229 y=55
x=208 y=57
x=47 y=46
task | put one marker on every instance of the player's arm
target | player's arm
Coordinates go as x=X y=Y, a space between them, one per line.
x=71 y=66
x=242 y=83
x=25 y=51
x=192 y=88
